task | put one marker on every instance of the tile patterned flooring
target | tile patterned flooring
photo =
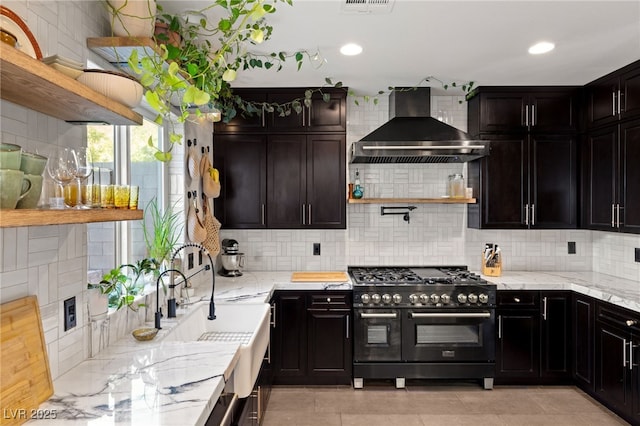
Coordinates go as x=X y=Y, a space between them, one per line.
x=427 y=405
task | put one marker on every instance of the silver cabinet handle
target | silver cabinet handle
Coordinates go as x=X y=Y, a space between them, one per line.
x=613 y=102
x=268 y=357
x=533 y=115
x=526 y=116
x=619 y=101
x=631 y=355
x=262 y=213
x=618 y=215
x=533 y=214
x=303 y=215
x=526 y=214
x=368 y=315
x=264 y=120
x=499 y=326
x=613 y=215
x=624 y=352
x=451 y=315
x=544 y=308
x=226 y=420
x=273 y=315
x=347 y=326
x=631 y=322
x=516 y=299
x=309 y=214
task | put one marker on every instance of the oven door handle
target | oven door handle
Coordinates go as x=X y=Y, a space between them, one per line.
x=450 y=315
x=381 y=315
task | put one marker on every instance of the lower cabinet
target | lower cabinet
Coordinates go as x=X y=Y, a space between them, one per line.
x=583 y=312
x=617 y=380
x=533 y=344
x=312 y=337
x=255 y=405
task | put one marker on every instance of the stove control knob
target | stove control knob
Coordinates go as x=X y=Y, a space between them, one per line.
x=483 y=298
x=435 y=298
x=365 y=298
x=386 y=298
x=445 y=299
x=472 y=298
x=375 y=298
x=462 y=298
x=413 y=299
x=397 y=298
x=424 y=299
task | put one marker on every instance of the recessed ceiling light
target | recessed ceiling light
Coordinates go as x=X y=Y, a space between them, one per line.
x=351 y=49
x=542 y=47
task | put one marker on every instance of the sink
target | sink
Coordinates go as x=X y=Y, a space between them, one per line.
x=247 y=323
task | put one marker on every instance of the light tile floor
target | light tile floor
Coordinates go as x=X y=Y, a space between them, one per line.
x=380 y=404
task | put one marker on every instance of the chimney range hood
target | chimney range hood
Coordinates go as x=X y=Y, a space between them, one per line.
x=413 y=136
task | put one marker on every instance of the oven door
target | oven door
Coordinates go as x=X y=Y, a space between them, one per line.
x=438 y=335
x=377 y=335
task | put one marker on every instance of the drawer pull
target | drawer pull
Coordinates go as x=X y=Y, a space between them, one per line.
x=631 y=322
x=516 y=299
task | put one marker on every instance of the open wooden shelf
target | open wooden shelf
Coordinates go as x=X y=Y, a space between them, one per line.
x=412 y=200
x=40 y=217
x=31 y=83
x=117 y=50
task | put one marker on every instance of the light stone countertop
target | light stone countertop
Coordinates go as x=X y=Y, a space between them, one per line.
x=177 y=383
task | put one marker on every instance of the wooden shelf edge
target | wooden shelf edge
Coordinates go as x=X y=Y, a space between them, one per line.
x=35 y=85
x=412 y=200
x=41 y=217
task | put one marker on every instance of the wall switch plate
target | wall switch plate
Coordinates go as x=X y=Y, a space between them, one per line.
x=69 y=313
x=190 y=261
x=637 y=254
x=572 y=247
x=316 y=249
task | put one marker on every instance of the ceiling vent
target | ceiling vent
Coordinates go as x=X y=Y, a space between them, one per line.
x=377 y=7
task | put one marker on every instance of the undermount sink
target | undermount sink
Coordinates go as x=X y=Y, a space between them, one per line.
x=247 y=323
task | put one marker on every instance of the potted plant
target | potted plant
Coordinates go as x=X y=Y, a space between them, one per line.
x=162 y=230
x=132 y=18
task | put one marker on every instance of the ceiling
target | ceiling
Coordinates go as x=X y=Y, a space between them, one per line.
x=481 y=41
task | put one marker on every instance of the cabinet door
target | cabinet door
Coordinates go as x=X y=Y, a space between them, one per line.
x=286 y=181
x=630 y=93
x=241 y=160
x=629 y=181
x=329 y=351
x=289 y=346
x=612 y=375
x=518 y=345
x=601 y=178
x=502 y=112
x=556 y=347
x=326 y=181
x=583 y=340
x=504 y=183
x=602 y=101
x=246 y=122
x=553 y=111
x=294 y=122
x=328 y=116
x=554 y=173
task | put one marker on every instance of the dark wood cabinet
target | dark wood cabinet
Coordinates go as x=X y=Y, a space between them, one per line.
x=613 y=178
x=533 y=344
x=529 y=179
x=583 y=312
x=312 y=339
x=614 y=97
x=242 y=162
x=617 y=339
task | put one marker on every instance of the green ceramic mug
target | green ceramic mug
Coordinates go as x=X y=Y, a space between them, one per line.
x=14 y=186
x=32 y=164
x=30 y=200
x=10 y=156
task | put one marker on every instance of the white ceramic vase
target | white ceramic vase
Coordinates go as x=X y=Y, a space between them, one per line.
x=133 y=18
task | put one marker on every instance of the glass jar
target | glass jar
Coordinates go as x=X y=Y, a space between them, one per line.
x=456 y=186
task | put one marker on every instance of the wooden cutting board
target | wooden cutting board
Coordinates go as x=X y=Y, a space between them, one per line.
x=319 y=277
x=25 y=378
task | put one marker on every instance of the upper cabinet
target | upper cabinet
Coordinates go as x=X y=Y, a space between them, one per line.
x=523 y=109
x=614 y=97
x=28 y=82
x=319 y=116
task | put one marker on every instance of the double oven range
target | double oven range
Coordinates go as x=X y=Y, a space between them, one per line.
x=422 y=323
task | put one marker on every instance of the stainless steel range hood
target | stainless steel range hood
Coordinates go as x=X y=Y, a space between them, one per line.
x=413 y=136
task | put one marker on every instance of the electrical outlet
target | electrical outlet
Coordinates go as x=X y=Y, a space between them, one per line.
x=190 y=261
x=572 y=247
x=316 y=249
x=637 y=254
x=69 y=313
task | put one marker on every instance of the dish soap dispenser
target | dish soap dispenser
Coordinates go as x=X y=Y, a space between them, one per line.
x=358 y=191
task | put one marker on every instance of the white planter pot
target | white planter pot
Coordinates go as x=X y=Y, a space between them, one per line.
x=98 y=304
x=133 y=18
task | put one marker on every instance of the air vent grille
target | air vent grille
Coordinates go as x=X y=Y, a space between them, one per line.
x=409 y=160
x=377 y=7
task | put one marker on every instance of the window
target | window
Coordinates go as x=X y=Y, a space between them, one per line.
x=124 y=150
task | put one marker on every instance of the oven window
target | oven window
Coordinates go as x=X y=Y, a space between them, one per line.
x=429 y=334
x=377 y=334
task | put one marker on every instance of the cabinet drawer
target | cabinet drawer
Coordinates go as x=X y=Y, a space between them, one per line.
x=528 y=299
x=619 y=317
x=329 y=300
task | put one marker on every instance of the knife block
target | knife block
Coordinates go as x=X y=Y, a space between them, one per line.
x=495 y=270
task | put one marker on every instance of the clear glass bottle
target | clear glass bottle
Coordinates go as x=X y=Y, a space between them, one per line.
x=456 y=186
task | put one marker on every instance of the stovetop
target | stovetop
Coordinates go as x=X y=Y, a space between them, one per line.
x=401 y=275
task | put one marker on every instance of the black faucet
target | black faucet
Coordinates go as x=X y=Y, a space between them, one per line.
x=158 y=314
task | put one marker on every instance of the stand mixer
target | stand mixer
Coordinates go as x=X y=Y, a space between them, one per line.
x=232 y=261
